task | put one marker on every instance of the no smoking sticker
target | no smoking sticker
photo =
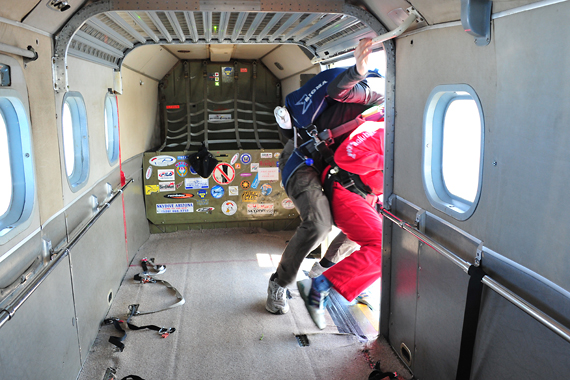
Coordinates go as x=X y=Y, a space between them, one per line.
x=223 y=173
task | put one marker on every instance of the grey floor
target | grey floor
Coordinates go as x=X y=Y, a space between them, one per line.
x=223 y=330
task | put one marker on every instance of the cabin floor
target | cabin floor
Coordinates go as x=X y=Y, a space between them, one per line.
x=223 y=330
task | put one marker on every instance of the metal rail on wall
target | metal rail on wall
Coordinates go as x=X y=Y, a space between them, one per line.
x=8 y=312
x=510 y=296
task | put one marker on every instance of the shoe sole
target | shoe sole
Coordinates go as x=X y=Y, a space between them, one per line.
x=278 y=311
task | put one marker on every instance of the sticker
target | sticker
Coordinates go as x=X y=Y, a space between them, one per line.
x=255 y=182
x=206 y=209
x=254 y=167
x=173 y=107
x=149 y=189
x=229 y=207
x=217 y=191
x=225 y=117
x=223 y=173
x=245 y=184
x=196 y=183
x=266 y=155
x=178 y=196
x=217 y=83
x=238 y=165
x=249 y=196
x=184 y=158
x=166 y=175
x=268 y=174
x=232 y=190
x=202 y=193
x=277 y=155
x=243 y=70
x=234 y=159
x=203 y=202
x=267 y=163
x=192 y=171
x=216 y=74
x=166 y=186
x=266 y=189
x=182 y=168
x=148 y=172
x=227 y=74
x=245 y=158
x=217 y=79
x=287 y=204
x=178 y=185
x=174 y=208
x=162 y=161
x=260 y=209
x=245 y=175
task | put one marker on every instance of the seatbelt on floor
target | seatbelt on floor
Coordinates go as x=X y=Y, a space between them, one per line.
x=470 y=322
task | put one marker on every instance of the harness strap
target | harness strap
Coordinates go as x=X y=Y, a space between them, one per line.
x=470 y=322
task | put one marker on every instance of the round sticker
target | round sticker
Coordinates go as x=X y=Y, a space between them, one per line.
x=217 y=191
x=223 y=173
x=245 y=184
x=288 y=204
x=164 y=160
x=229 y=207
x=245 y=158
x=266 y=189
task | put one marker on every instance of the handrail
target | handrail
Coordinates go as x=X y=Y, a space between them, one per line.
x=378 y=39
x=29 y=53
x=7 y=313
x=510 y=296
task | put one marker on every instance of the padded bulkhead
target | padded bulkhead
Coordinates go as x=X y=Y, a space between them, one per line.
x=228 y=107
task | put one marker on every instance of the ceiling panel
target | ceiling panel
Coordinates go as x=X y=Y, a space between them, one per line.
x=152 y=60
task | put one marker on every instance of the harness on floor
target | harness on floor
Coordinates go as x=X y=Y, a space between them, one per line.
x=317 y=154
x=145 y=277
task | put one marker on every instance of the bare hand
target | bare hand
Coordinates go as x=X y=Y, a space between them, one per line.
x=361 y=54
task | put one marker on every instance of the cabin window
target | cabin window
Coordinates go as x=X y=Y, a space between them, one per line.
x=16 y=171
x=111 y=128
x=453 y=149
x=75 y=139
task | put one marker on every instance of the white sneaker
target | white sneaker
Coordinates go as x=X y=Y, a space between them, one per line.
x=314 y=302
x=276 y=298
x=316 y=270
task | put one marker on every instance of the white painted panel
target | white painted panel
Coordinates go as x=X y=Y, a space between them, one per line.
x=152 y=60
x=290 y=57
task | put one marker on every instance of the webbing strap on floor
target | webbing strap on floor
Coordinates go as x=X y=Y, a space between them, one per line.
x=470 y=322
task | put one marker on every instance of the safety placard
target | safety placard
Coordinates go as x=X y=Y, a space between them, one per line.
x=224 y=173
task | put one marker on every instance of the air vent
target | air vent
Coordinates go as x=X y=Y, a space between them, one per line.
x=303 y=340
x=58 y=5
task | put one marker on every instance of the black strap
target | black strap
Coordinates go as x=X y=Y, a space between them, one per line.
x=470 y=322
x=377 y=374
x=132 y=377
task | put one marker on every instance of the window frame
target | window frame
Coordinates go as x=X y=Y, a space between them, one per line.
x=111 y=116
x=19 y=135
x=432 y=151
x=80 y=172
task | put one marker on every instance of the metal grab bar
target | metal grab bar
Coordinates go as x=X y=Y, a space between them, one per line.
x=7 y=313
x=510 y=296
x=30 y=53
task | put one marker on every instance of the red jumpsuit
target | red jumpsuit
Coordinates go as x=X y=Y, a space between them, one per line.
x=363 y=154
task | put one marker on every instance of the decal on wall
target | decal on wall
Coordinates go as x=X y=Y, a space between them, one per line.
x=245 y=175
x=203 y=202
x=185 y=158
x=174 y=208
x=266 y=155
x=266 y=189
x=182 y=168
x=206 y=209
x=245 y=158
x=268 y=174
x=202 y=193
x=162 y=161
x=287 y=204
x=255 y=182
x=192 y=171
x=277 y=155
x=196 y=183
x=149 y=189
x=260 y=209
x=178 y=196
x=166 y=175
x=232 y=190
x=229 y=207
x=245 y=184
x=254 y=167
x=223 y=173
x=217 y=191
x=249 y=196
x=166 y=186
x=148 y=172
x=237 y=165
x=234 y=159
